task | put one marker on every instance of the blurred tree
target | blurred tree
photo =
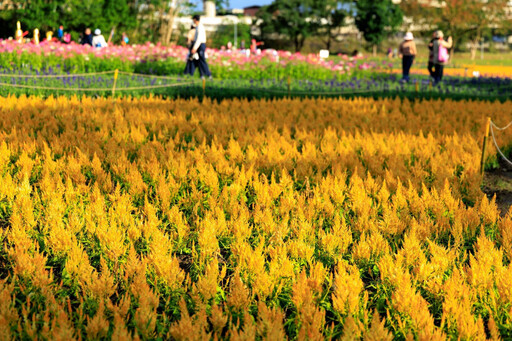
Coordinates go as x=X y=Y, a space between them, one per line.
x=172 y=9
x=330 y=16
x=291 y=18
x=226 y=32
x=155 y=18
x=149 y=19
x=221 y=5
x=76 y=15
x=462 y=19
x=417 y=12
x=377 y=20
x=119 y=14
x=42 y=14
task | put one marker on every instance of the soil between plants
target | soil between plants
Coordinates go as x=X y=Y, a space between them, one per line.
x=499 y=182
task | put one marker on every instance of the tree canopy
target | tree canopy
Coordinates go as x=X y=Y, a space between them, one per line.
x=331 y=16
x=377 y=19
x=300 y=19
x=292 y=18
x=136 y=16
x=463 y=19
x=74 y=15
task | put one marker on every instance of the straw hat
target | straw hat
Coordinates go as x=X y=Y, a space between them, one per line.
x=408 y=36
x=97 y=31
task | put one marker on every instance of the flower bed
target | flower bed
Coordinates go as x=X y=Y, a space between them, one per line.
x=158 y=59
x=381 y=85
x=152 y=219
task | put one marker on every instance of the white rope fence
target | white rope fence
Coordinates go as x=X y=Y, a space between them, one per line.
x=115 y=74
x=62 y=75
x=148 y=76
x=177 y=83
x=159 y=86
x=157 y=82
x=494 y=126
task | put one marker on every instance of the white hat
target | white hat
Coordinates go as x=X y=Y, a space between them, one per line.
x=439 y=34
x=97 y=31
x=408 y=36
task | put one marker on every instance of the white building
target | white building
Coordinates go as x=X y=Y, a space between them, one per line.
x=211 y=21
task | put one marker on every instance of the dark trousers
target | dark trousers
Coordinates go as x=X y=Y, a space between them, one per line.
x=438 y=73
x=190 y=68
x=430 y=68
x=406 y=66
x=204 y=70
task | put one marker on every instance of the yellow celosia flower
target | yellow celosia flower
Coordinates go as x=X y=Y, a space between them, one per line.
x=322 y=205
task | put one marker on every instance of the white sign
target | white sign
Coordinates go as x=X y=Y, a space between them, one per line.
x=324 y=54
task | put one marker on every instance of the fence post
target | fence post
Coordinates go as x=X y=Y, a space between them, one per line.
x=484 y=146
x=204 y=87
x=289 y=87
x=115 y=82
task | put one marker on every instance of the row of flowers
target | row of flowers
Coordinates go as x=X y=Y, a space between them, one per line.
x=242 y=60
x=147 y=53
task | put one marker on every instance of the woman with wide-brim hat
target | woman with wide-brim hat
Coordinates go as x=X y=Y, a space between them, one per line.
x=407 y=51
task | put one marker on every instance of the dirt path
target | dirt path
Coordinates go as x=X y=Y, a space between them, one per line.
x=499 y=182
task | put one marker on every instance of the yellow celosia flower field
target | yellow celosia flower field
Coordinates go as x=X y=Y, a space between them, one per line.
x=241 y=220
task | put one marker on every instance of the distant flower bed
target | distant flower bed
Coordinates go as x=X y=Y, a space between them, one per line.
x=151 y=58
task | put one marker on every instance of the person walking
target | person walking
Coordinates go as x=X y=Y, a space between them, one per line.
x=192 y=58
x=200 y=47
x=440 y=55
x=98 y=40
x=408 y=51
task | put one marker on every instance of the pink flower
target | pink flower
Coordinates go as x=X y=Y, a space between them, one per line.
x=154 y=52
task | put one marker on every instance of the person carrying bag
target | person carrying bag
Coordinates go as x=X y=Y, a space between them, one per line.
x=440 y=55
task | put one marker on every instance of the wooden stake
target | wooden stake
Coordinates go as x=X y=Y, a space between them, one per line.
x=115 y=82
x=484 y=146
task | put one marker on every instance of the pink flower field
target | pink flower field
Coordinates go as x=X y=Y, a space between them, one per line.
x=151 y=52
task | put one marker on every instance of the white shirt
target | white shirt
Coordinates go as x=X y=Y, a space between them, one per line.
x=200 y=37
x=99 y=41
